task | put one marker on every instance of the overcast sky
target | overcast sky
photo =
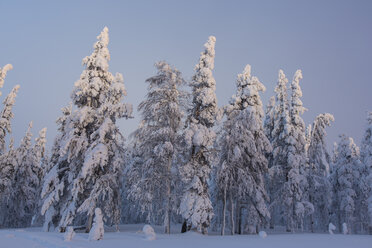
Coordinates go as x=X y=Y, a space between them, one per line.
x=330 y=41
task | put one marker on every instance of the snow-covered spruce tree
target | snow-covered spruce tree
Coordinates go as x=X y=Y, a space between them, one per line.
x=364 y=214
x=366 y=156
x=24 y=198
x=196 y=206
x=243 y=148
x=3 y=72
x=21 y=204
x=278 y=165
x=343 y=179
x=7 y=171
x=294 y=193
x=39 y=163
x=319 y=160
x=288 y=180
x=7 y=159
x=152 y=177
x=53 y=188
x=6 y=113
x=88 y=153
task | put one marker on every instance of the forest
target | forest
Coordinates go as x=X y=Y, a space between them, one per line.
x=236 y=169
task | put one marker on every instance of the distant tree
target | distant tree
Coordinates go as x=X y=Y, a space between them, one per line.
x=88 y=153
x=3 y=72
x=295 y=198
x=278 y=164
x=319 y=171
x=365 y=185
x=196 y=206
x=153 y=176
x=288 y=171
x=366 y=156
x=7 y=171
x=343 y=178
x=6 y=114
x=243 y=149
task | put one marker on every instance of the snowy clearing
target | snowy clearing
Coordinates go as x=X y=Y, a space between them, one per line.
x=131 y=236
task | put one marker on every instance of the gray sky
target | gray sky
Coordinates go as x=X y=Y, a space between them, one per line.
x=331 y=41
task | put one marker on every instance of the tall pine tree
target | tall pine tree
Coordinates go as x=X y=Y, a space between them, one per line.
x=243 y=149
x=319 y=171
x=152 y=176
x=366 y=156
x=196 y=206
x=87 y=157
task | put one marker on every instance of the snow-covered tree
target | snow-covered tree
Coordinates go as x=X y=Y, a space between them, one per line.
x=3 y=72
x=243 y=149
x=288 y=171
x=21 y=203
x=319 y=171
x=7 y=158
x=39 y=165
x=88 y=153
x=196 y=206
x=153 y=175
x=344 y=177
x=98 y=230
x=294 y=196
x=366 y=186
x=7 y=171
x=278 y=163
x=56 y=177
x=366 y=156
x=6 y=116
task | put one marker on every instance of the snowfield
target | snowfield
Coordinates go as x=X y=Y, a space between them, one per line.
x=131 y=236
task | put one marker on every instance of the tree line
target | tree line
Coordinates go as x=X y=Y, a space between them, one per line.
x=237 y=168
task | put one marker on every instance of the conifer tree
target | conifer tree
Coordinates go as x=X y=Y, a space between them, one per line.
x=343 y=178
x=366 y=156
x=21 y=204
x=278 y=165
x=196 y=206
x=7 y=171
x=3 y=72
x=87 y=155
x=6 y=114
x=244 y=146
x=319 y=171
x=295 y=198
x=153 y=176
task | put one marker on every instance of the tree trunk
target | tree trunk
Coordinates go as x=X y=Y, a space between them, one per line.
x=204 y=230
x=239 y=218
x=232 y=215
x=184 y=227
x=223 y=212
x=89 y=223
x=272 y=220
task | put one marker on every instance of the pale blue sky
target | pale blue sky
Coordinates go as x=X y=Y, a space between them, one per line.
x=331 y=41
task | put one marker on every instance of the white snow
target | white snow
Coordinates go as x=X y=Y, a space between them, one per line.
x=262 y=234
x=331 y=228
x=130 y=237
x=69 y=234
x=97 y=231
x=149 y=232
x=344 y=228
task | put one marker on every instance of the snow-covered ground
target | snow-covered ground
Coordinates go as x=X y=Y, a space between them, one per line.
x=132 y=237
